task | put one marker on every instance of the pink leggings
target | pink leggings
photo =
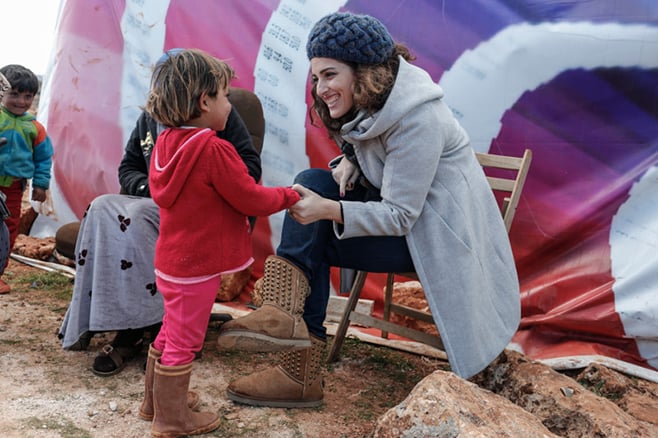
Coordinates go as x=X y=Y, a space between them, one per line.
x=187 y=309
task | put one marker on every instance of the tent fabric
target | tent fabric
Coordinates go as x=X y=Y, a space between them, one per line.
x=576 y=82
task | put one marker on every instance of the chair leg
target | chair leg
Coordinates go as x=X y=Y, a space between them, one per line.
x=388 y=297
x=355 y=292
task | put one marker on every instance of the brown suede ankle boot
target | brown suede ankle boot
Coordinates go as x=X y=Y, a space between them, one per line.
x=173 y=418
x=146 y=409
x=277 y=325
x=295 y=383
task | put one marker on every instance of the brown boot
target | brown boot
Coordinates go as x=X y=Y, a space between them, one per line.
x=277 y=325
x=173 y=418
x=146 y=409
x=295 y=383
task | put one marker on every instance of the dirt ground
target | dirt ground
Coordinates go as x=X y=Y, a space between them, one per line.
x=48 y=392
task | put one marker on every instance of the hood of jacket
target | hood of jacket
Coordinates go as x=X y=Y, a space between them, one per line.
x=413 y=87
x=174 y=158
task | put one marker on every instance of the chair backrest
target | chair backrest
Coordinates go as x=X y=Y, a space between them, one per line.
x=248 y=105
x=506 y=175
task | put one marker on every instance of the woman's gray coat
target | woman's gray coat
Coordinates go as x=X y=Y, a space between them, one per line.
x=435 y=193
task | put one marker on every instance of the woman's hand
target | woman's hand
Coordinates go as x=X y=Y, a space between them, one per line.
x=313 y=207
x=345 y=174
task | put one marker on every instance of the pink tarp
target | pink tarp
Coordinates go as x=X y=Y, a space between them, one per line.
x=575 y=82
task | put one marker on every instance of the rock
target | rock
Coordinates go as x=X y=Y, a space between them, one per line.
x=411 y=294
x=232 y=285
x=516 y=396
x=34 y=247
x=444 y=405
x=62 y=259
x=28 y=216
x=257 y=293
x=634 y=396
x=539 y=390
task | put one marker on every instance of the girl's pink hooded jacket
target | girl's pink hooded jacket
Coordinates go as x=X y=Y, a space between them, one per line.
x=205 y=194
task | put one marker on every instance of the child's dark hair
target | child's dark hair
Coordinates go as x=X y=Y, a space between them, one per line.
x=178 y=82
x=22 y=79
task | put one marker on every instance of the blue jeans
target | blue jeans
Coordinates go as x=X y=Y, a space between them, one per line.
x=314 y=248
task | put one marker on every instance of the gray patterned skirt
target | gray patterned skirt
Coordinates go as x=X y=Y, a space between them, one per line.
x=114 y=286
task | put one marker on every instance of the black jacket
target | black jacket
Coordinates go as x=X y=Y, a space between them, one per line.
x=134 y=166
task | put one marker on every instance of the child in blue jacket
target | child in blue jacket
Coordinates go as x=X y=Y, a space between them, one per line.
x=28 y=151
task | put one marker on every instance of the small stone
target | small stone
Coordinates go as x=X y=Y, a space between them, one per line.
x=566 y=391
x=113 y=406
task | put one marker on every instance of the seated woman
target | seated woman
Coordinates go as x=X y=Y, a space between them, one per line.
x=408 y=194
x=114 y=288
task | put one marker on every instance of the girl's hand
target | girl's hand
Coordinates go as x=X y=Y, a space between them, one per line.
x=313 y=207
x=345 y=174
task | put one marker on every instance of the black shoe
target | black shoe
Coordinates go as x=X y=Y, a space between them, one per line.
x=113 y=356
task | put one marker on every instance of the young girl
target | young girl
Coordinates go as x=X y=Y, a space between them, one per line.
x=205 y=195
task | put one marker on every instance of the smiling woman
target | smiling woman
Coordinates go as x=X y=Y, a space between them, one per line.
x=20 y=21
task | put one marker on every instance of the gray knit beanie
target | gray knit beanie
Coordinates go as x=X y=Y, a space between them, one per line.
x=360 y=39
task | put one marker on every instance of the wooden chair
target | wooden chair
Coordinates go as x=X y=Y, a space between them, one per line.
x=506 y=175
